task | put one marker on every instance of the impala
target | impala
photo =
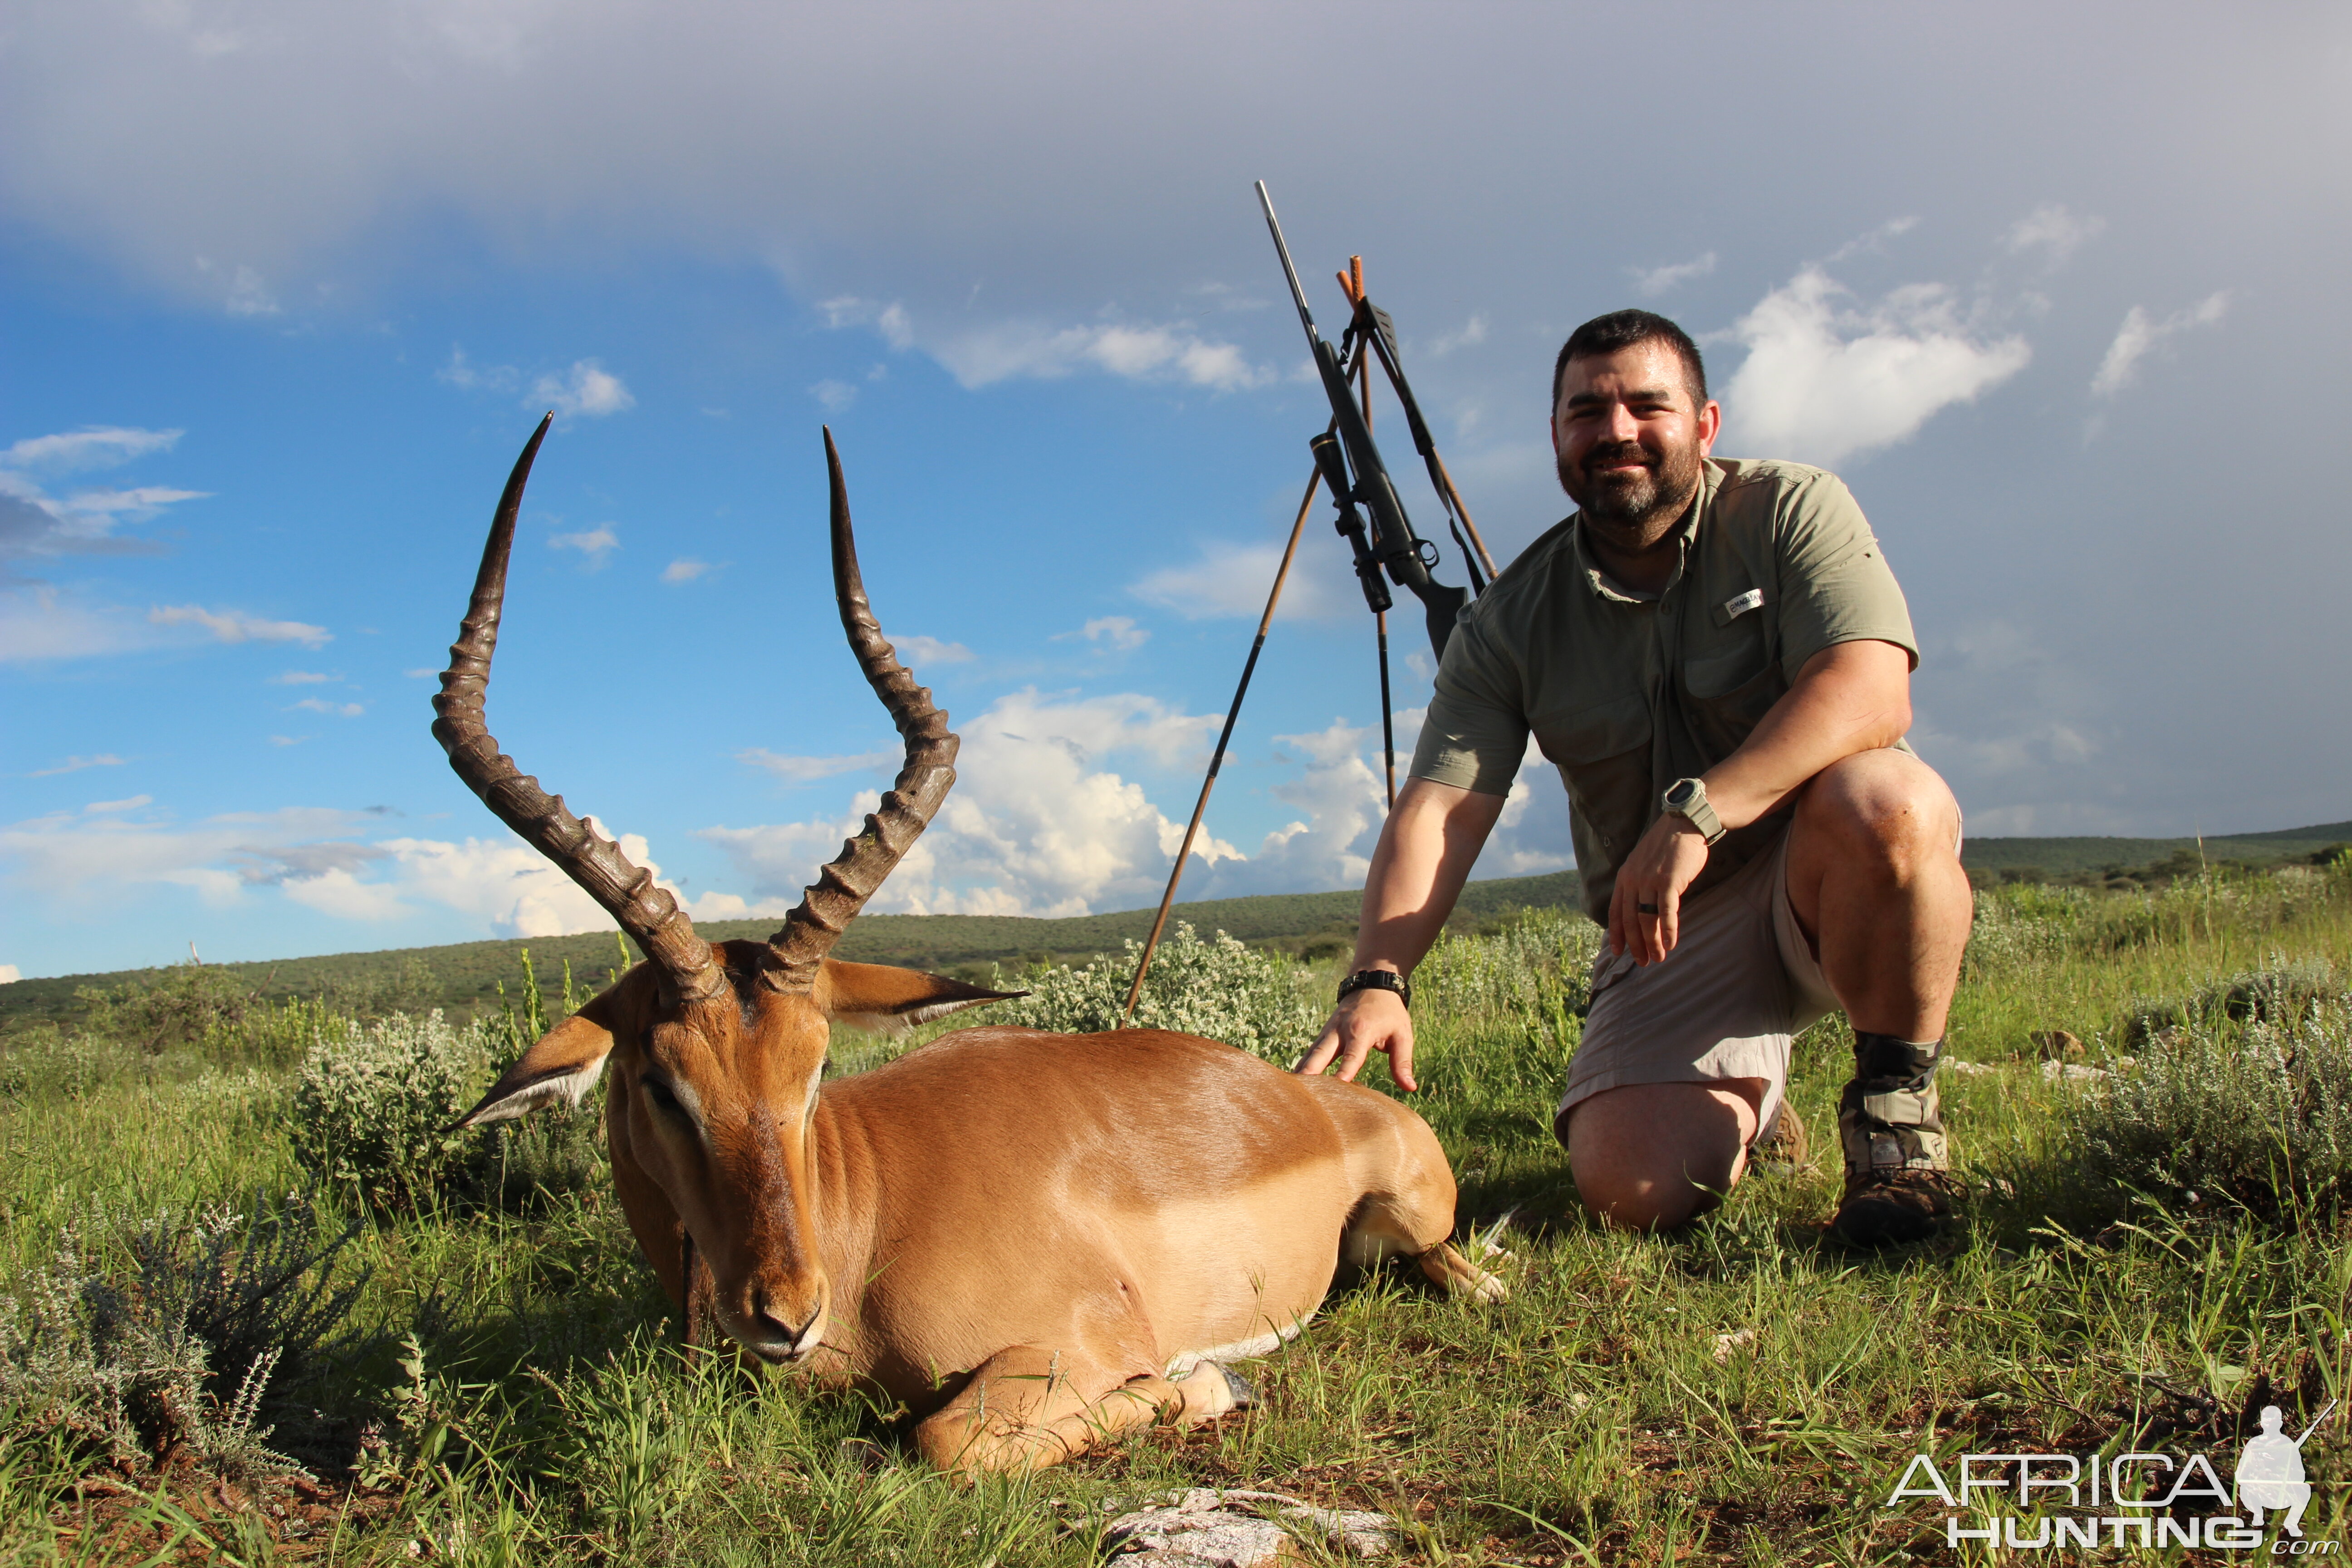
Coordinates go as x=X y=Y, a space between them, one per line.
x=1031 y=1240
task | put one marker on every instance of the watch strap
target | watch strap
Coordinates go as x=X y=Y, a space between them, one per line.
x=1377 y=980
x=1696 y=810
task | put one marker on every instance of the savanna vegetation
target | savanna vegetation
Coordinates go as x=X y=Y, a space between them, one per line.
x=257 y=1305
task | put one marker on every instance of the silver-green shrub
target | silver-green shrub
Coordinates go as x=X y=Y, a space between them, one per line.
x=373 y=1105
x=155 y=1335
x=2255 y=1107
x=1219 y=989
x=1539 y=960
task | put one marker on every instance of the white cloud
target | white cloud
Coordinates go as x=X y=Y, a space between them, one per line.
x=588 y=389
x=1473 y=331
x=133 y=803
x=804 y=770
x=321 y=705
x=462 y=372
x=300 y=677
x=287 y=740
x=235 y=625
x=1232 y=579
x=74 y=765
x=1652 y=281
x=835 y=395
x=2141 y=333
x=2053 y=231
x=1148 y=354
x=891 y=321
x=9 y=974
x=93 y=447
x=37 y=623
x=594 y=543
x=1117 y=633
x=684 y=569
x=1822 y=383
x=919 y=650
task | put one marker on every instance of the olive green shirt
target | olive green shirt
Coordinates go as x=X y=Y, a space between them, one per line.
x=1627 y=692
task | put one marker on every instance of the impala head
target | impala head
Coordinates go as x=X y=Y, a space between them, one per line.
x=716 y=1051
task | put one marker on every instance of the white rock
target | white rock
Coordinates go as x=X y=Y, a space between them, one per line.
x=1208 y=1528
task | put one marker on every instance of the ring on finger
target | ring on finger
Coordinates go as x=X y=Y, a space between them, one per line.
x=1645 y=909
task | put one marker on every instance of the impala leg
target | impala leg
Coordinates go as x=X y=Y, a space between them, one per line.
x=1028 y=1407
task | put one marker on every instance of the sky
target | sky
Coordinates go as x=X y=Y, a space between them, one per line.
x=284 y=289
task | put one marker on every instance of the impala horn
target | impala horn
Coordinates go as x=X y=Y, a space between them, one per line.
x=851 y=877
x=627 y=893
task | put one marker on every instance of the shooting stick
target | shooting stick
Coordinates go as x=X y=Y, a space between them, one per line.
x=1217 y=758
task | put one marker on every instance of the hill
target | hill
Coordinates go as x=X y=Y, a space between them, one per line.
x=464 y=977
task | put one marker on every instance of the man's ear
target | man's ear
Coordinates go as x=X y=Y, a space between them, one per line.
x=562 y=1064
x=888 y=1000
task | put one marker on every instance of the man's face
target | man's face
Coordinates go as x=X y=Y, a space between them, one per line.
x=1627 y=440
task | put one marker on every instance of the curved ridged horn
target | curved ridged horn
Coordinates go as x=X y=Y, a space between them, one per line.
x=851 y=877
x=627 y=893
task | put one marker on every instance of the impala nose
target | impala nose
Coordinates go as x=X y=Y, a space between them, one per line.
x=779 y=1336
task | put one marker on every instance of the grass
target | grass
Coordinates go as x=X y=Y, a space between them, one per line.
x=1740 y=1392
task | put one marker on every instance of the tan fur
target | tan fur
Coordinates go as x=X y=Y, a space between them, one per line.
x=1017 y=1233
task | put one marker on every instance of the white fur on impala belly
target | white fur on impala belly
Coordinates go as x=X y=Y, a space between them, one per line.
x=1240 y=1350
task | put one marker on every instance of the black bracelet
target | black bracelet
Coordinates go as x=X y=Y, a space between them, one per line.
x=1377 y=980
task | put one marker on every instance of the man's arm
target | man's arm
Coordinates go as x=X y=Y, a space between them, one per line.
x=1425 y=853
x=1850 y=698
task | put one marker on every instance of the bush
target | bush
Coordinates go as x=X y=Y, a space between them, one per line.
x=1219 y=989
x=372 y=1106
x=2247 y=1094
x=1539 y=960
x=169 y=1334
x=44 y=1063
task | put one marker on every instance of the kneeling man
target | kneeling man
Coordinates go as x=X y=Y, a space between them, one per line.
x=1717 y=657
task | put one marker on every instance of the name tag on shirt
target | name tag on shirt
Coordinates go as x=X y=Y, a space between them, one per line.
x=1731 y=609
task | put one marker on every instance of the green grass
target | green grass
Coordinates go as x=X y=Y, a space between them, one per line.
x=1740 y=1392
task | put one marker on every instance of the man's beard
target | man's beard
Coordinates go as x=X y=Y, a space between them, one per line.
x=1641 y=504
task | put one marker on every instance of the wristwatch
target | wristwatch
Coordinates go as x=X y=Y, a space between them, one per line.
x=1688 y=799
x=1377 y=980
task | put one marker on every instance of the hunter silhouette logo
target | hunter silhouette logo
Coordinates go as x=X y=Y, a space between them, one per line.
x=2125 y=1501
x=2270 y=1472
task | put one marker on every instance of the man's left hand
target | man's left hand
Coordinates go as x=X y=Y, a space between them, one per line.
x=1668 y=859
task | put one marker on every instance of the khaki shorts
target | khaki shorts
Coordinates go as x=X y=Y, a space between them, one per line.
x=1742 y=983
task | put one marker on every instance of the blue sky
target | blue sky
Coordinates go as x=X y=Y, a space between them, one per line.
x=283 y=289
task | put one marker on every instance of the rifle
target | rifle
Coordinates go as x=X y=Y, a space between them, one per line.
x=1389 y=545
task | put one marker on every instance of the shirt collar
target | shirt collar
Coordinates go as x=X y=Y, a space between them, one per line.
x=1604 y=587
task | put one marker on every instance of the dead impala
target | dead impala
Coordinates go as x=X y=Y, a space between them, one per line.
x=1033 y=1238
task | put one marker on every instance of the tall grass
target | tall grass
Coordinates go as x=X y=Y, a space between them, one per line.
x=1742 y=1392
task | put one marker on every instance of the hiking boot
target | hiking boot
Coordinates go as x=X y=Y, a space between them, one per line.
x=1884 y=1208
x=1891 y=1131
x=1787 y=1150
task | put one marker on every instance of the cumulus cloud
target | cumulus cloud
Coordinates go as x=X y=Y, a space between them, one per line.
x=918 y=650
x=684 y=569
x=1652 y=281
x=835 y=395
x=1824 y=379
x=1231 y=579
x=1472 y=332
x=805 y=769
x=464 y=374
x=34 y=522
x=75 y=764
x=321 y=705
x=2142 y=333
x=2052 y=232
x=1119 y=633
x=235 y=625
x=588 y=388
x=890 y=321
x=300 y=677
x=594 y=544
x=1173 y=353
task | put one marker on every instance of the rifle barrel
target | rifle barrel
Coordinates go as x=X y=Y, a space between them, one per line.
x=1281 y=248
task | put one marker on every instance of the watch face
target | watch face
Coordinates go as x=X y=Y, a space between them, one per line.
x=1680 y=795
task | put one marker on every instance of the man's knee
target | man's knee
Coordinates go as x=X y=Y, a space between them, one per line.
x=1882 y=808
x=1654 y=1156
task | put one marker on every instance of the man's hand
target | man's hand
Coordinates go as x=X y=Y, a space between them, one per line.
x=1668 y=859
x=1363 y=1022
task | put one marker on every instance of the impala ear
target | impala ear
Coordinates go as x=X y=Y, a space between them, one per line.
x=886 y=1000
x=562 y=1064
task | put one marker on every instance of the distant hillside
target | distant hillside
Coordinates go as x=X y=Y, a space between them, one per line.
x=465 y=976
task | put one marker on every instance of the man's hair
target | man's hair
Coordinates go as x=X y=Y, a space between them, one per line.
x=1622 y=329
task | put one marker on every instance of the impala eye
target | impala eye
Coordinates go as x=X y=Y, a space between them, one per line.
x=661 y=1094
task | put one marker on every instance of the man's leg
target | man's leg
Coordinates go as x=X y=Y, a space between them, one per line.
x=1649 y=1156
x=1875 y=882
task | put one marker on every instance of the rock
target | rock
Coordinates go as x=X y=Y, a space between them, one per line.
x=2073 y=1072
x=1208 y=1528
x=1967 y=1069
x=2058 y=1044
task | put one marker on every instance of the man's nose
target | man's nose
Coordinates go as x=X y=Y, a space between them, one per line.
x=1622 y=426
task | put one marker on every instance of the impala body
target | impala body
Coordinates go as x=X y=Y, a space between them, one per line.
x=1033 y=1240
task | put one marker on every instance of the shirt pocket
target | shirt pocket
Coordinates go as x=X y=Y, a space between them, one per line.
x=1727 y=696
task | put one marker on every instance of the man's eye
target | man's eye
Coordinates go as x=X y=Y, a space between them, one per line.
x=659 y=1093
